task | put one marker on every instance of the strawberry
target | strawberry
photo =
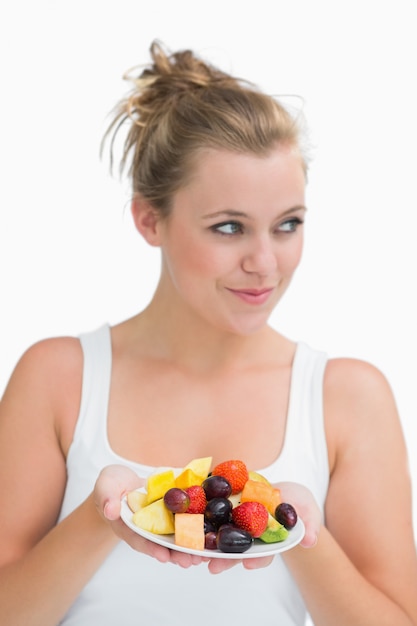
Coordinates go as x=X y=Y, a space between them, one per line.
x=198 y=500
x=235 y=472
x=252 y=517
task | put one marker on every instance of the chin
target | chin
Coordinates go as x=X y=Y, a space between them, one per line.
x=246 y=328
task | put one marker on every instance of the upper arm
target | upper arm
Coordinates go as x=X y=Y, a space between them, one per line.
x=368 y=509
x=37 y=413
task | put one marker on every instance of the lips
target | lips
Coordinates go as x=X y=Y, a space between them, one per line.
x=253 y=296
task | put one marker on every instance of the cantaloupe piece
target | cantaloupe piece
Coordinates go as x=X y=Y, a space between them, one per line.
x=275 y=500
x=155 y=518
x=266 y=494
x=158 y=484
x=189 y=530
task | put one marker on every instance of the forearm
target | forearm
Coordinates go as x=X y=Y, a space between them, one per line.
x=38 y=589
x=336 y=593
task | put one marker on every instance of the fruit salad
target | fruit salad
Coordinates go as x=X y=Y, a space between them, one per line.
x=226 y=508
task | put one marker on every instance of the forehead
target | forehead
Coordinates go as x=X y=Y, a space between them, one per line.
x=238 y=180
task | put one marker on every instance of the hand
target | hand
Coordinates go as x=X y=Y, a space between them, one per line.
x=304 y=503
x=113 y=483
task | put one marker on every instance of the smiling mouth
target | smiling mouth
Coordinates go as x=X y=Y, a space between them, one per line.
x=253 y=296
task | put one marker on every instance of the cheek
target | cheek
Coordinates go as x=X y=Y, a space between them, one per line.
x=204 y=259
x=190 y=262
x=290 y=257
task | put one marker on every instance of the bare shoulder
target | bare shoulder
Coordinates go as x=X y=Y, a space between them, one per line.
x=51 y=352
x=354 y=376
x=358 y=388
x=54 y=360
x=47 y=376
x=358 y=402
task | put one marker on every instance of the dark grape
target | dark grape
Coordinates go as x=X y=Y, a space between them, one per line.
x=286 y=515
x=177 y=500
x=232 y=539
x=210 y=540
x=209 y=527
x=218 y=511
x=217 y=487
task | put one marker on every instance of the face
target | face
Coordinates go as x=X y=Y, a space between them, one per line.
x=234 y=237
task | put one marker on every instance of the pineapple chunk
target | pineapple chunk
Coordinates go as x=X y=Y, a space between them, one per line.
x=235 y=498
x=136 y=500
x=200 y=466
x=259 y=477
x=189 y=530
x=155 y=518
x=158 y=484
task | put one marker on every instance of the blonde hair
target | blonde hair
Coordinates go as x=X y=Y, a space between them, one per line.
x=180 y=105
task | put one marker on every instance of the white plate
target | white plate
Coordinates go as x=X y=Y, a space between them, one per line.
x=257 y=549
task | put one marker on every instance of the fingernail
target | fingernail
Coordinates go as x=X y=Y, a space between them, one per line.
x=106 y=510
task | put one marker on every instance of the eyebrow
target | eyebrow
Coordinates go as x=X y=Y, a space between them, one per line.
x=234 y=213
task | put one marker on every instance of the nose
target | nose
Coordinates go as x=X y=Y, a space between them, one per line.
x=260 y=257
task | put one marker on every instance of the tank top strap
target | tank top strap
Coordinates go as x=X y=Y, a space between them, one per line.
x=92 y=421
x=305 y=452
x=306 y=393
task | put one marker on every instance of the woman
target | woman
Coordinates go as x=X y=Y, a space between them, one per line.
x=218 y=177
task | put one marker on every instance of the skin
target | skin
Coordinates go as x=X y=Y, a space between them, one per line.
x=205 y=339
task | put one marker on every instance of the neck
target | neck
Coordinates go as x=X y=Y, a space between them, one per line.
x=175 y=333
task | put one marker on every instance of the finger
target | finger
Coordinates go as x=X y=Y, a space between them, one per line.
x=182 y=559
x=216 y=566
x=257 y=563
x=135 y=541
x=306 y=507
x=310 y=538
x=312 y=523
x=197 y=560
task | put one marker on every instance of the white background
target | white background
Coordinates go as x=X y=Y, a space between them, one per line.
x=69 y=256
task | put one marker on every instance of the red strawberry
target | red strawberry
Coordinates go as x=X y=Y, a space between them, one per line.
x=198 y=500
x=252 y=517
x=235 y=472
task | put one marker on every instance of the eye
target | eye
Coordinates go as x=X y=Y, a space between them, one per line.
x=289 y=226
x=227 y=228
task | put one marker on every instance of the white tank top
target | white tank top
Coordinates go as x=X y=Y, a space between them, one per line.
x=131 y=588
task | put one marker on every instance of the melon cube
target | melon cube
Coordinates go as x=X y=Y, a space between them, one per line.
x=189 y=530
x=266 y=494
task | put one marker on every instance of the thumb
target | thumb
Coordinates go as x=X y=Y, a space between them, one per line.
x=112 y=484
x=304 y=503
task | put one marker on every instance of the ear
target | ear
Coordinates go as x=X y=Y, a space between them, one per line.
x=147 y=220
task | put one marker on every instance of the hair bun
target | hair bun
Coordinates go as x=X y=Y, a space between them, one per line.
x=169 y=76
